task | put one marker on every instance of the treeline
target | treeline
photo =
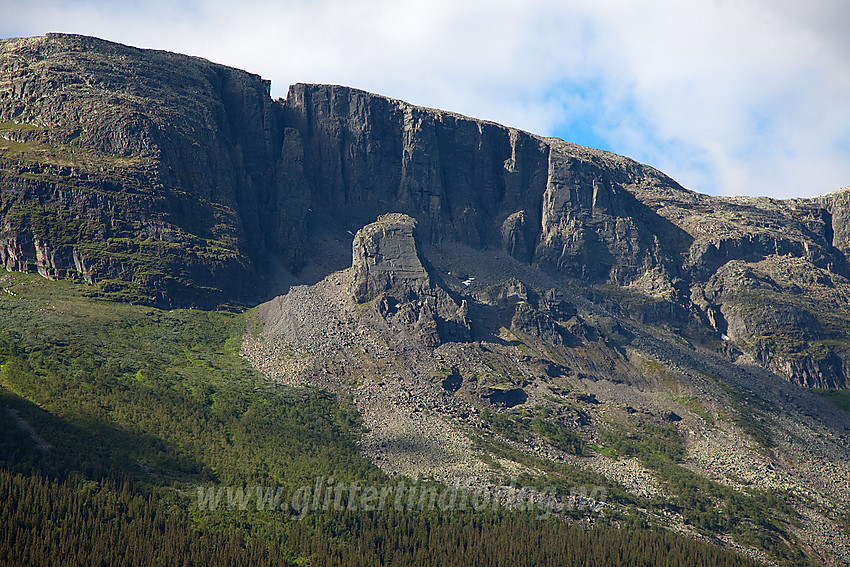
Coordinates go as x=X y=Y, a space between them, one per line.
x=165 y=392
x=56 y=523
x=507 y=539
x=78 y=522
x=755 y=517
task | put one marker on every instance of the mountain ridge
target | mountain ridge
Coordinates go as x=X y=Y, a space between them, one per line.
x=503 y=310
x=170 y=180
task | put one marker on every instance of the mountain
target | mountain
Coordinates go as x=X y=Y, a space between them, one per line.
x=170 y=180
x=495 y=303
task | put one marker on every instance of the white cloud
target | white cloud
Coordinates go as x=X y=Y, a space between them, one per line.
x=743 y=89
x=727 y=96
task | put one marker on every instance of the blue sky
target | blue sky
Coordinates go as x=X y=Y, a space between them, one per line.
x=734 y=97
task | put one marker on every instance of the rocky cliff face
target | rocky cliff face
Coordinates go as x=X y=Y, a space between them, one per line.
x=171 y=180
x=387 y=269
x=146 y=172
x=545 y=201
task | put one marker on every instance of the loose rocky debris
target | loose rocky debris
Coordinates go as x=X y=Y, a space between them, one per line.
x=536 y=346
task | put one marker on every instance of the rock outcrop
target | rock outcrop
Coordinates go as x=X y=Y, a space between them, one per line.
x=386 y=268
x=385 y=261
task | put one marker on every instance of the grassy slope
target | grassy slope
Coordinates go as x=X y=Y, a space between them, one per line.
x=840 y=398
x=162 y=399
x=161 y=391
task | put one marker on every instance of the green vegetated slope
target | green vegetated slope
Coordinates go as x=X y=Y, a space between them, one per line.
x=841 y=398
x=761 y=518
x=163 y=392
x=128 y=403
